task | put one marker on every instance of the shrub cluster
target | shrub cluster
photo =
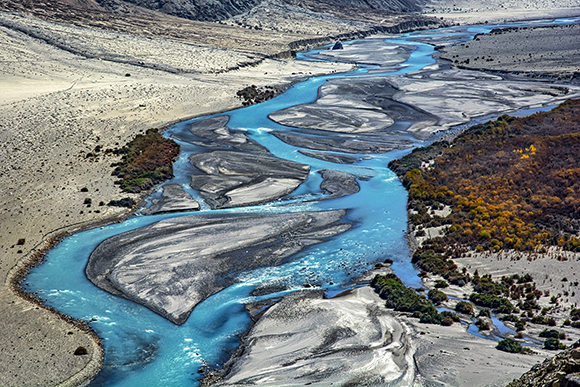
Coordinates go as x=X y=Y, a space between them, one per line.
x=147 y=160
x=401 y=298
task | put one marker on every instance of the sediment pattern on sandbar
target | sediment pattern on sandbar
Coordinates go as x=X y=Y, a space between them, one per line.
x=172 y=265
x=234 y=179
x=305 y=339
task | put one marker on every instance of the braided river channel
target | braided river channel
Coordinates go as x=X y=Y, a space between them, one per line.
x=142 y=348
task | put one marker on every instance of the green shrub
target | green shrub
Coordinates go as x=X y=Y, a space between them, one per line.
x=431 y=318
x=125 y=202
x=452 y=316
x=399 y=297
x=510 y=317
x=484 y=313
x=509 y=345
x=482 y=325
x=464 y=307
x=436 y=296
x=549 y=333
x=553 y=343
x=500 y=304
x=440 y=284
x=446 y=321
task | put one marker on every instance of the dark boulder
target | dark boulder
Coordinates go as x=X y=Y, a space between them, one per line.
x=337 y=46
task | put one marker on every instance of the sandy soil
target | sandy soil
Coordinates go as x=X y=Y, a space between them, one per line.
x=548 y=270
x=448 y=356
x=545 y=50
x=497 y=11
x=55 y=107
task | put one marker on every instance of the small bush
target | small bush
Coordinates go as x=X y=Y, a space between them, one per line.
x=464 y=307
x=81 y=351
x=509 y=345
x=88 y=201
x=484 y=313
x=552 y=343
x=482 y=325
x=510 y=317
x=436 y=296
x=125 y=202
x=549 y=333
x=21 y=241
x=446 y=321
x=84 y=189
x=431 y=318
x=452 y=316
x=441 y=284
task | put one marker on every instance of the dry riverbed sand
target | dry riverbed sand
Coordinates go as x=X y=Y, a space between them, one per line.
x=535 y=51
x=353 y=340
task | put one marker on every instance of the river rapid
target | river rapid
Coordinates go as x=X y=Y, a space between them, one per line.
x=143 y=348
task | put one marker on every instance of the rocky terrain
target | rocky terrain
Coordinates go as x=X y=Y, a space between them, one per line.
x=562 y=370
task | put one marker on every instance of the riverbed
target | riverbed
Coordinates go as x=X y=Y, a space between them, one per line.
x=395 y=100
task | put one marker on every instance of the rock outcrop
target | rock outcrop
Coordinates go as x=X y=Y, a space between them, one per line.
x=563 y=370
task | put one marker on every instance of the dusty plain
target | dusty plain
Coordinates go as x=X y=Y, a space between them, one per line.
x=68 y=87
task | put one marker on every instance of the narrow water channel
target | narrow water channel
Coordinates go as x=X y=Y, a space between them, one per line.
x=144 y=349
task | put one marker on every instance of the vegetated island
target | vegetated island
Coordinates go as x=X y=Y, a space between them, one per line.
x=508 y=192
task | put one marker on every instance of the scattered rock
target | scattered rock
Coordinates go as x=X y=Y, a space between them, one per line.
x=337 y=46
